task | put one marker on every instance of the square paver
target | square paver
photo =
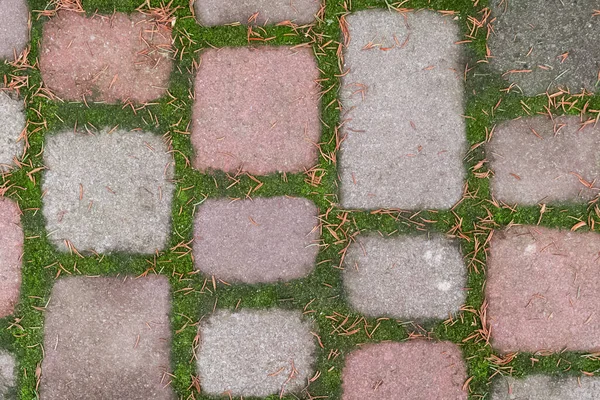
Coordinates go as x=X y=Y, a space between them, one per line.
x=8 y=376
x=14 y=28
x=12 y=123
x=106 y=58
x=259 y=240
x=255 y=353
x=218 y=12
x=542 y=45
x=108 y=192
x=541 y=387
x=107 y=338
x=403 y=97
x=537 y=160
x=405 y=277
x=11 y=249
x=412 y=370
x=542 y=290
x=256 y=110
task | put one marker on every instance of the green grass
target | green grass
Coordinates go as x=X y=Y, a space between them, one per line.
x=22 y=333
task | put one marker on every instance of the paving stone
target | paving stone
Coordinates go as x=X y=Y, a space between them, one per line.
x=537 y=160
x=11 y=249
x=101 y=58
x=542 y=290
x=403 y=98
x=555 y=40
x=218 y=12
x=107 y=338
x=7 y=376
x=259 y=240
x=12 y=123
x=256 y=110
x=540 y=387
x=108 y=192
x=405 y=277
x=411 y=370
x=14 y=28
x=255 y=353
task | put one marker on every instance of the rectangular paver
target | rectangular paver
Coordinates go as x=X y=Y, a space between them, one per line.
x=539 y=160
x=107 y=338
x=11 y=250
x=405 y=277
x=255 y=353
x=12 y=123
x=219 y=12
x=108 y=192
x=259 y=240
x=412 y=370
x=541 y=387
x=8 y=376
x=256 y=110
x=14 y=28
x=402 y=97
x=543 y=290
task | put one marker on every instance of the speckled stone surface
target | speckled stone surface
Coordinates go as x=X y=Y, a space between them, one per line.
x=405 y=277
x=542 y=290
x=8 y=376
x=403 y=103
x=219 y=12
x=411 y=370
x=112 y=58
x=109 y=192
x=14 y=28
x=12 y=123
x=255 y=353
x=259 y=240
x=539 y=160
x=542 y=387
x=107 y=338
x=11 y=249
x=256 y=110
x=557 y=41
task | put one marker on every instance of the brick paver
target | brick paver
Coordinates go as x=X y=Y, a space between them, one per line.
x=539 y=160
x=218 y=12
x=411 y=370
x=259 y=240
x=256 y=110
x=255 y=353
x=405 y=277
x=541 y=45
x=11 y=249
x=8 y=374
x=542 y=290
x=107 y=338
x=106 y=58
x=108 y=192
x=14 y=28
x=540 y=387
x=12 y=123
x=403 y=94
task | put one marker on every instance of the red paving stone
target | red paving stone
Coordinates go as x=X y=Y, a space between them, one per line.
x=256 y=109
x=543 y=290
x=11 y=248
x=416 y=370
x=109 y=59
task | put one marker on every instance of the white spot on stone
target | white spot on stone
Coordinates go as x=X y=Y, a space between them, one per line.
x=444 y=286
x=530 y=249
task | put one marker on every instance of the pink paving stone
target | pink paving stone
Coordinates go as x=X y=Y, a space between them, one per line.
x=543 y=290
x=256 y=109
x=219 y=12
x=104 y=58
x=14 y=27
x=11 y=248
x=416 y=370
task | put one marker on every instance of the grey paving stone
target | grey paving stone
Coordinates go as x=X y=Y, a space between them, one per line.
x=14 y=28
x=259 y=240
x=255 y=353
x=541 y=387
x=107 y=338
x=537 y=160
x=11 y=250
x=12 y=123
x=537 y=35
x=108 y=192
x=8 y=376
x=403 y=100
x=405 y=277
x=219 y=12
